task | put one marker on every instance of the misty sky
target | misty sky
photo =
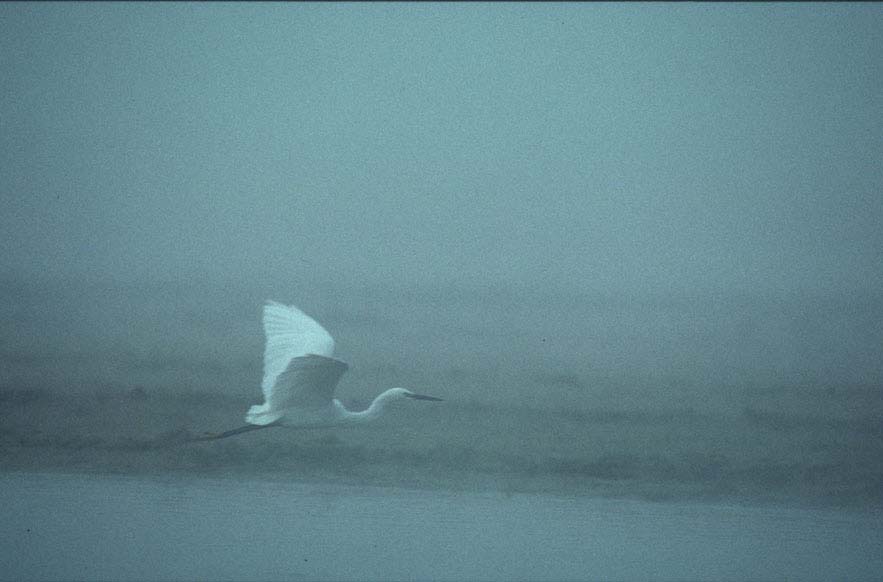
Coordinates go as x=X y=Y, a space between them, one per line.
x=659 y=148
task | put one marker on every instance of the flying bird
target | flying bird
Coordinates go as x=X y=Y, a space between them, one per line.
x=300 y=376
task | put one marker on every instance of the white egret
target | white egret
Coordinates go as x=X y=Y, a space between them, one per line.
x=300 y=376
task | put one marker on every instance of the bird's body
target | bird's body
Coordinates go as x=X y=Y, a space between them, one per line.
x=300 y=376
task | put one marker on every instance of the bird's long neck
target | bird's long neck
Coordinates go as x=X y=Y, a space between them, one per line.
x=371 y=413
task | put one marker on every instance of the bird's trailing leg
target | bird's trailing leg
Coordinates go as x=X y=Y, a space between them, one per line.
x=232 y=432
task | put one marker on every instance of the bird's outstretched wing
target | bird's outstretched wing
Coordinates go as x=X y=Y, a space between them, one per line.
x=307 y=383
x=291 y=333
x=298 y=367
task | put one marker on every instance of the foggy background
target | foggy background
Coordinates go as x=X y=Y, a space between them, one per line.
x=648 y=149
x=580 y=207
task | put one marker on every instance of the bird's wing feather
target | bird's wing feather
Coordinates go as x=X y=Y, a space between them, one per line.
x=307 y=382
x=290 y=333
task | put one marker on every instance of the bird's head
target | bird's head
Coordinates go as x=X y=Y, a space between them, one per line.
x=388 y=397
